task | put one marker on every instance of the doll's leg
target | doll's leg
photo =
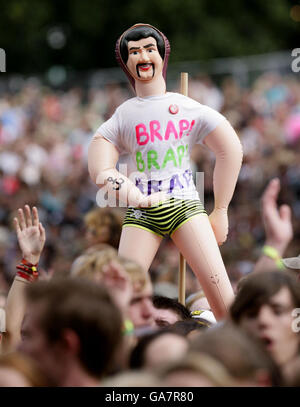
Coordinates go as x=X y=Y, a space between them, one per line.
x=139 y=245
x=197 y=243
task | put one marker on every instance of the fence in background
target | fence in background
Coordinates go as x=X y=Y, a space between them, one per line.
x=242 y=69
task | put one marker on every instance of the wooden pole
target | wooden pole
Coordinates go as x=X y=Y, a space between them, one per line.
x=182 y=263
x=184 y=83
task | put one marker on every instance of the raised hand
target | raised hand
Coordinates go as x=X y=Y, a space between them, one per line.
x=277 y=221
x=30 y=233
x=118 y=282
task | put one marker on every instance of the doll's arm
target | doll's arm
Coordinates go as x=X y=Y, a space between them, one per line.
x=102 y=160
x=224 y=142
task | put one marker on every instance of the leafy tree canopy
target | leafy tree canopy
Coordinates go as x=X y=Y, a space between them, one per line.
x=197 y=29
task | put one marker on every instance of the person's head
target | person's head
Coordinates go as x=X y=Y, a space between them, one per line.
x=141 y=309
x=195 y=370
x=72 y=326
x=90 y=264
x=139 y=279
x=93 y=263
x=240 y=353
x=103 y=225
x=142 y=52
x=168 y=311
x=157 y=348
x=197 y=301
x=190 y=327
x=263 y=305
x=17 y=370
x=132 y=378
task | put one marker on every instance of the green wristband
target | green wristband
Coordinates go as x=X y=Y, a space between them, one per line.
x=128 y=327
x=269 y=251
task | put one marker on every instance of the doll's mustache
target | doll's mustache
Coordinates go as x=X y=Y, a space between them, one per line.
x=138 y=71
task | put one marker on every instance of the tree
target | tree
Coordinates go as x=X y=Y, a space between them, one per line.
x=197 y=29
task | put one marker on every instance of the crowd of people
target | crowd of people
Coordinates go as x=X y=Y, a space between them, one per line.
x=94 y=318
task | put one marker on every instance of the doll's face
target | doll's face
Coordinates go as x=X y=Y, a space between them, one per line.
x=144 y=61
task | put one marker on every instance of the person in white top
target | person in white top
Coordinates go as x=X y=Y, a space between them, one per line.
x=157 y=129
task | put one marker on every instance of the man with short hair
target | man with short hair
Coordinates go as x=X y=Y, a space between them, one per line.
x=263 y=306
x=168 y=311
x=72 y=330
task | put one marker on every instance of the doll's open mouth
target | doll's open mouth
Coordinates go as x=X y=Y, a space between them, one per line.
x=144 y=68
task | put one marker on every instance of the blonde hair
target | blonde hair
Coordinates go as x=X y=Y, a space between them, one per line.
x=194 y=297
x=91 y=264
x=25 y=366
x=138 y=276
x=105 y=221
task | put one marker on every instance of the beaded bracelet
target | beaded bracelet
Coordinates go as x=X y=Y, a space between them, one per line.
x=27 y=271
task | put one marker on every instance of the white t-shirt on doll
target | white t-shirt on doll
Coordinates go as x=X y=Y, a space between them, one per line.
x=157 y=133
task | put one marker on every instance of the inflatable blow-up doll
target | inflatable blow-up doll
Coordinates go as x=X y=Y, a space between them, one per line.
x=158 y=130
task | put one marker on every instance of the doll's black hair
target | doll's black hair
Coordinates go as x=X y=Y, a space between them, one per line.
x=135 y=33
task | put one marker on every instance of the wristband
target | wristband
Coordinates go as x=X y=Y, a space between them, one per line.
x=27 y=271
x=25 y=276
x=128 y=327
x=269 y=251
x=26 y=263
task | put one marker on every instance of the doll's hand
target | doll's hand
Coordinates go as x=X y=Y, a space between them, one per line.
x=219 y=223
x=153 y=199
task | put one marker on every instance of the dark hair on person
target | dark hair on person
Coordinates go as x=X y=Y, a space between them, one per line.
x=242 y=355
x=85 y=308
x=161 y=302
x=258 y=288
x=138 y=33
x=189 y=325
x=137 y=357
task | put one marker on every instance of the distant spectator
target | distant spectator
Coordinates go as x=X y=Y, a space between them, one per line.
x=103 y=225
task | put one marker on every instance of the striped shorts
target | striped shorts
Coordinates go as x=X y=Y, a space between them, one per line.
x=165 y=218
